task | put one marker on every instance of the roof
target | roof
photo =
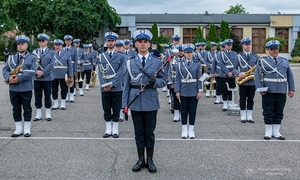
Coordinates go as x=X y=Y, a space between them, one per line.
x=202 y=18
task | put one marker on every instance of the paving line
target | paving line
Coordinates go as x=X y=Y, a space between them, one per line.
x=157 y=139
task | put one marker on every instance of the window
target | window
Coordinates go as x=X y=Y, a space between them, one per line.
x=284 y=34
x=298 y=34
x=122 y=30
x=188 y=35
x=167 y=32
x=238 y=32
x=258 y=39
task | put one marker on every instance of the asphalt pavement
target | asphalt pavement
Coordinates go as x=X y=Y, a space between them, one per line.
x=71 y=145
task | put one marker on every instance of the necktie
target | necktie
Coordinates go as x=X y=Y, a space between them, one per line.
x=67 y=49
x=42 y=51
x=188 y=63
x=143 y=62
x=110 y=55
x=57 y=54
x=248 y=56
x=275 y=60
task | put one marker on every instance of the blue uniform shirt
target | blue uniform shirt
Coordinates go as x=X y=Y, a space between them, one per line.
x=276 y=76
x=62 y=65
x=148 y=100
x=25 y=77
x=47 y=64
x=111 y=70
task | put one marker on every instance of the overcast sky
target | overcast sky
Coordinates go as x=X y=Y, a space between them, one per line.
x=200 y=6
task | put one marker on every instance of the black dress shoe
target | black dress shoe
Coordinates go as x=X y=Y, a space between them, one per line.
x=48 y=119
x=27 y=135
x=54 y=108
x=115 y=135
x=67 y=100
x=267 y=138
x=81 y=94
x=106 y=135
x=121 y=119
x=63 y=108
x=224 y=109
x=207 y=96
x=217 y=102
x=71 y=101
x=243 y=121
x=250 y=121
x=139 y=165
x=150 y=165
x=16 y=135
x=279 y=138
x=183 y=137
x=37 y=119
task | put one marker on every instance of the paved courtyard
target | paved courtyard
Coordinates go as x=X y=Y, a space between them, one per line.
x=71 y=145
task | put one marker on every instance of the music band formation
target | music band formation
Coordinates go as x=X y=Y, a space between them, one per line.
x=129 y=80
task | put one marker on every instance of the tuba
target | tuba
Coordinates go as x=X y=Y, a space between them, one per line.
x=247 y=77
x=93 y=79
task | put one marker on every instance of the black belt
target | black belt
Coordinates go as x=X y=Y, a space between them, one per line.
x=137 y=86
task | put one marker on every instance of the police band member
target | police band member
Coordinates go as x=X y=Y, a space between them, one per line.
x=227 y=60
x=87 y=63
x=18 y=72
x=128 y=48
x=111 y=72
x=275 y=75
x=95 y=57
x=76 y=43
x=201 y=55
x=246 y=61
x=73 y=52
x=62 y=65
x=44 y=77
x=188 y=90
x=210 y=58
x=217 y=68
x=175 y=105
x=120 y=46
x=175 y=42
x=144 y=109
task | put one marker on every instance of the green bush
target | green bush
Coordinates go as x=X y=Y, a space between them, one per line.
x=296 y=59
x=2 y=58
x=296 y=51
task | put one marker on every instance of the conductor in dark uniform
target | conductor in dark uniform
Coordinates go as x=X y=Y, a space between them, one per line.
x=274 y=81
x=18 y=73
x=139 y=71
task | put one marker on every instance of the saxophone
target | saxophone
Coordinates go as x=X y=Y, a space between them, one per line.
x=247 y=77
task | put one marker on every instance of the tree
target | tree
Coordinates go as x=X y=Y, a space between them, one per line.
x=163 y=40
x=296 y=51
x=6 y=24
x=236 y=46
x=61 y=17
x=224 y=30
x=237 y=9
x=154 y=31
x=198 y=36
x=212 y=36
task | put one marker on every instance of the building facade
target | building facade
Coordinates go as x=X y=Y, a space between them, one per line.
x=257 y=26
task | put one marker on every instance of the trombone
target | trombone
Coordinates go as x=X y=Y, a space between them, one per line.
x=77 y=81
